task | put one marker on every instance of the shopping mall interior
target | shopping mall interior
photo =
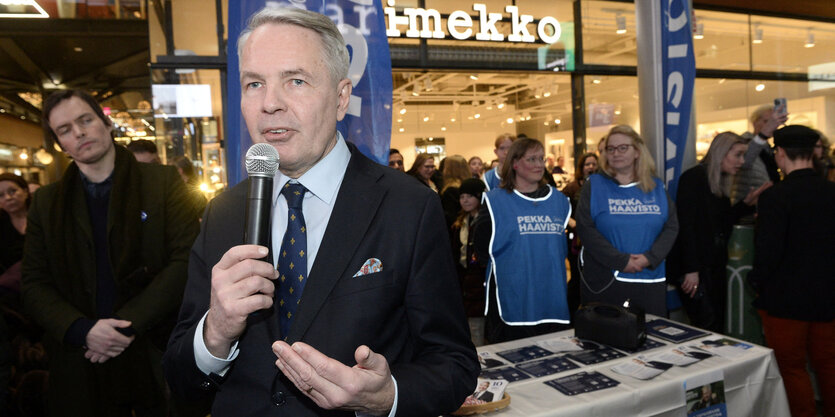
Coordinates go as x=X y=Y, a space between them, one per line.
x=450 y=96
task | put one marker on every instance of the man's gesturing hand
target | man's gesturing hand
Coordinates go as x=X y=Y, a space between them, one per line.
x=241 y=284
x=367 y=387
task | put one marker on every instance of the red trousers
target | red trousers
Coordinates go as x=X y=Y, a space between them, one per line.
x=792 y=341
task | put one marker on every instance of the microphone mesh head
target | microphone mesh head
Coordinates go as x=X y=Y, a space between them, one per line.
x=262 y=160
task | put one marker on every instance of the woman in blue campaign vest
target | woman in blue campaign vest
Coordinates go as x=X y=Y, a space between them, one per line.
x=522 y=230
x=628 y=225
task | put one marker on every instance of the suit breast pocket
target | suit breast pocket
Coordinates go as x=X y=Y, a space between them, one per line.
x=355 y=285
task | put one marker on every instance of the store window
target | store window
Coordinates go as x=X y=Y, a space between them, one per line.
x=722 y=41
x=790 y=45
x=187 y=111
x=610 y=100
x=470 y=109
x=609 y=36
x=726 y=105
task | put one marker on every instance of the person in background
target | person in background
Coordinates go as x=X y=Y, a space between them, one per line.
x=821 y=158
x=698 y=261
x=502 y=145
x=14 y=206
x=104 y=266
x=396 y=160
x=470 y=272
x=144 y=150
x=560 y=164
x=549 y=163
x=586 y=165
x=476 y=166
x=521 y=231
x=189 y=175
x=422 y=169
x=456 y=170
x=759 y=166
x=794 y=243
x=627 y=224
x=601 y=145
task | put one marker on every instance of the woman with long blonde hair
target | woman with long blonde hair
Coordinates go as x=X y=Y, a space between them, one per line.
x=627 y=224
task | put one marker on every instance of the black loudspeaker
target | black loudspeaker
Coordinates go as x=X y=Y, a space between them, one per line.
x=620 y=327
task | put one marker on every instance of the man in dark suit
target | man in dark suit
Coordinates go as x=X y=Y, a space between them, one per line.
x=379 y=327
x=104 y=267
x=793 y=271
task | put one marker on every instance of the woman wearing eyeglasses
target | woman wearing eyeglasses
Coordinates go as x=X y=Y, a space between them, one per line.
x=628 y=225
x=521 y=230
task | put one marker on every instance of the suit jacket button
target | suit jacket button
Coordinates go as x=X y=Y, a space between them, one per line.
x=279 y=398
x=206 y=385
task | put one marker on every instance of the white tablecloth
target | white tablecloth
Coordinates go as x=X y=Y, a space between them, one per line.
x=753 y=387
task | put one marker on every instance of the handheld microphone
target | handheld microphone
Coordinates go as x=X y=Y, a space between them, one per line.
x=261 y=165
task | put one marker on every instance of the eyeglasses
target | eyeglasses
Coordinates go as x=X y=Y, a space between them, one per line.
x=620 y=148
x=534 y=160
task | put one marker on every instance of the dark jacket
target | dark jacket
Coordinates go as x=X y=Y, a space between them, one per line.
x=794 y=248
x=149 y=277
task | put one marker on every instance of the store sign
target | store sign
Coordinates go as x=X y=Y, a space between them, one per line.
x=21 y=8
x=679 y=73
x=426 y=24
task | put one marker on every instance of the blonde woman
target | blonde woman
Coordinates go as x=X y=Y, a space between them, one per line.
x=627 y=224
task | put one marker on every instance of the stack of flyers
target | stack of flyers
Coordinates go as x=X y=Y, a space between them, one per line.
x=672 y=331
x=725 y=348
x=524 y=353
x=487 y=390
x=681 y=356
x=594 y=352
x=582 y=382
x=641 y=367
x=489 y=360
x=561 y=344
x=509 y=374
x=547 y=366
x=647 y=345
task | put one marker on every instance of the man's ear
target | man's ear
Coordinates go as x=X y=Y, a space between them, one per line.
x=344 y=89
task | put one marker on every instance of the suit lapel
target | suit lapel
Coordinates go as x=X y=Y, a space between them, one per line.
x=356 y=204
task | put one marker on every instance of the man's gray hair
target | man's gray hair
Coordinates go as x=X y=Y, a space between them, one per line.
x=759 y=112
x=333 y=44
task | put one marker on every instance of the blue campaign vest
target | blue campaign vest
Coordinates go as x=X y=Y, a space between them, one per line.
x=631 y=220
x=492 y=179
x=527 y=256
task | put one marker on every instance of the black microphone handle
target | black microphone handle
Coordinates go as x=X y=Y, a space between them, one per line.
x=258 y=209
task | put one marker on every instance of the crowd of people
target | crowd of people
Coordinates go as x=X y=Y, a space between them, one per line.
x=125 y=293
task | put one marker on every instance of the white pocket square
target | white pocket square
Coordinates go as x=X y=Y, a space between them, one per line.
x=370 y=266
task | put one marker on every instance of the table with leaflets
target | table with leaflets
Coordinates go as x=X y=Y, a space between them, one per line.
x=680 y=371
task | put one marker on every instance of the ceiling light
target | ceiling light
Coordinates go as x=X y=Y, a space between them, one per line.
x=443 y=128
x=78 y=49
x=557 y=121
x=44 y=157
x=527 y=116
x=455 y=105
x=810 y=40
x=425 y=118
x=403 y=110
x=416 y=90
x=546 y=93
x=760 y=87
x=474 y=77
x=500 y=105
x=758 y=34
x=537 y=93
x=545 y=123
x=401 y=130
x=700 y=31
x=620 y=22
x=427 y=84
x=510 y=120
x=24 y=156
x=477 y=115
x=596 y=81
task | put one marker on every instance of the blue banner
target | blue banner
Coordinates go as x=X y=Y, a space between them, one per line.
x=679 y=72
x=368 y=121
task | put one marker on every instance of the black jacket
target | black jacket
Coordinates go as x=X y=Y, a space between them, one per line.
x=794 y=252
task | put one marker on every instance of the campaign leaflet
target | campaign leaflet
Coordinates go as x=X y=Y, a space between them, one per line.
x=486 y=391
x=547 y=366
x=678 y=357
x=641 y=367
x=490 y=360
x=672 y=331
x=509 y=374
x=705 y=395
x=726 y=348
x=647 y=345
x=594 y=352
x=582 y=382
x=524 y=353
x=561 y=344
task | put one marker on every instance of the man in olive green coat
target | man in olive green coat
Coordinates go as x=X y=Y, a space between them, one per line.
x=104 y=267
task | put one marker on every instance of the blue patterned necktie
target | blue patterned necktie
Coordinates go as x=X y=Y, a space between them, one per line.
x=292 y=260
